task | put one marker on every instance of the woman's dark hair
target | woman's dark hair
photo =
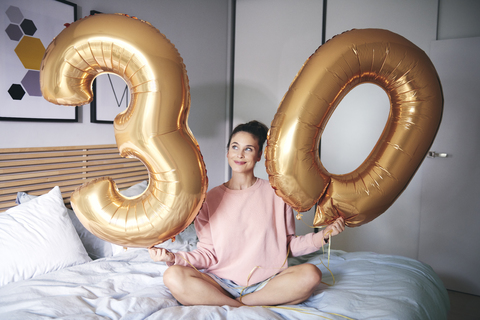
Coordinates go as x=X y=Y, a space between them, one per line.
x=255 y=128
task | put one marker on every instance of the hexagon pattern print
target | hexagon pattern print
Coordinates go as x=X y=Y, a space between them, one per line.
x=29 y=50
x=28 y=28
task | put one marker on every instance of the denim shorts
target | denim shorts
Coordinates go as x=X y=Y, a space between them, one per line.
x=236 y=290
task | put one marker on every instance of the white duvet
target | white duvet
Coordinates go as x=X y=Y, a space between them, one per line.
x=130 y=286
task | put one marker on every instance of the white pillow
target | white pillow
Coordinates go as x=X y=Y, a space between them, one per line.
x=96 y=247
x=38 y=237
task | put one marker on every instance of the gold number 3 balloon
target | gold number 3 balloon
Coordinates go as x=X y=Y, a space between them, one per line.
x=354 y=57
x=152 y=129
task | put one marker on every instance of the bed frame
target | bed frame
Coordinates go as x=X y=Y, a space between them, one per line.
x=38 y=170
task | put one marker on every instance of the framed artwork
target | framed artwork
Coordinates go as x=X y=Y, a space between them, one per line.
x=110 y=96
x=28 y=27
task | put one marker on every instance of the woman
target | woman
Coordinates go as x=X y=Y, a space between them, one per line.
x=245 y=234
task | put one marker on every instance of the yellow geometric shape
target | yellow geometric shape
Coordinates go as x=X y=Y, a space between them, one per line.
x=30 y=51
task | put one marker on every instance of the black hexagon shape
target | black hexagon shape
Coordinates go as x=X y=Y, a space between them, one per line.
x=14 y=32
x=28 y=27
x=16 y=92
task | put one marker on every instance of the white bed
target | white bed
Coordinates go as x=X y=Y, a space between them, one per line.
x=47 y=272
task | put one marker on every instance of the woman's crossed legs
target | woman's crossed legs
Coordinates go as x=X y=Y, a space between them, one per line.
x=291 y=286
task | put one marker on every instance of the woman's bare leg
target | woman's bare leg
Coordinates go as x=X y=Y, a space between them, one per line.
x=191 y=287
x=292 y=286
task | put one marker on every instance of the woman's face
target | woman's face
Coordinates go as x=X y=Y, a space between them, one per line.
x=243 y=152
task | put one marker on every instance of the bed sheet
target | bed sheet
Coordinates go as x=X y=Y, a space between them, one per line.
x=130 y=286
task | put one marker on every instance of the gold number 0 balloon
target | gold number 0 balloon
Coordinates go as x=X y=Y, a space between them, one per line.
x=354 y=57
x=153 y=128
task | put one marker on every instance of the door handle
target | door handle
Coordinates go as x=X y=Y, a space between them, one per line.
x=433 y=154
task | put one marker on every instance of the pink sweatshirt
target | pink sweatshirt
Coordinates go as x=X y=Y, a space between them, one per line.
x=246 y=233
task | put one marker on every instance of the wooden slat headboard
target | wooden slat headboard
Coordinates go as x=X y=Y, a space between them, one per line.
x=38 y=170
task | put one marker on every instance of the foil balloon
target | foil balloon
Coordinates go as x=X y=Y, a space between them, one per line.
x=152 y=129
x=416 y=103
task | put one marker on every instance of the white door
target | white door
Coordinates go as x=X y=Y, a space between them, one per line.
x=450 y=203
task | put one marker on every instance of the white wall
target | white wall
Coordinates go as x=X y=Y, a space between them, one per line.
x=199 y=30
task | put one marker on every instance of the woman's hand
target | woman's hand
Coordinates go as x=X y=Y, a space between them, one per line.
x=333 y=229
x=161 y=255
x=321 y=238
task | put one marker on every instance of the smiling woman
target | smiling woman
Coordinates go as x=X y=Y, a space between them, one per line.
x=243 y=153
x=422 y=294
x=237 y=218
x=245 y=146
